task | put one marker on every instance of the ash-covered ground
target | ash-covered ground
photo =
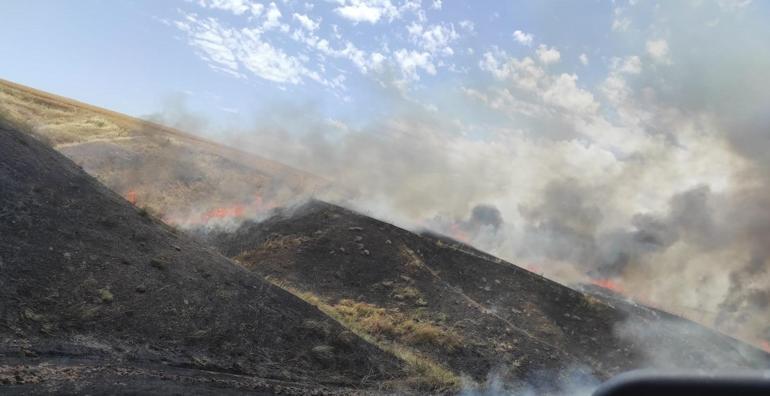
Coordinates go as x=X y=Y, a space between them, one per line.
x=476 y=315
x=97 y=296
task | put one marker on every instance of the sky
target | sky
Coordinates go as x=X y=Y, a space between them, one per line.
x=621 y=139
x=227 y=59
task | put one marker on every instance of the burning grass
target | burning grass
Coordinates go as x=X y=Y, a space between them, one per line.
x=187 y=181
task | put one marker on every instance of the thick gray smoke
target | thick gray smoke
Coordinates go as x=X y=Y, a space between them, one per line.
x=657 y=175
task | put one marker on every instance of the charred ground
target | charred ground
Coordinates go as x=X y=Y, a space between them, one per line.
x=476 y=314
x=98 y=296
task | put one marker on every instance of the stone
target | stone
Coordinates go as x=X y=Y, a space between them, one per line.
x=324 y=353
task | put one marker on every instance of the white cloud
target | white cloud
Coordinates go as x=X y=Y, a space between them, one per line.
x=621 y=24
x=435 y=38
x=524 y=73
x=492 y=62
x=467 y=25
x=373 y=11
x=410 y=61
x=212 y=42
x=733 y=5
x=367 y=10
x=268 y=62
x=658 y=50
x=376 y=60
x=584 y=59
x=533 y=91
x=564 y=92
x=232 y=50
x=237 y=7
x=273 y=18
x=523 y=38
x=436 y=4
x=307 y=22
x=365 y=63
x=628 y=65
x=360 y=13
x=547 y=55
x=615 y=88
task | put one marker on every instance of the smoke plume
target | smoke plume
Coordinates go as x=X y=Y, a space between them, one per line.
x=656 y=175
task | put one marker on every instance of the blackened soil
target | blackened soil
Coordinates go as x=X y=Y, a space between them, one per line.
x=98 y=296
x=512 y=322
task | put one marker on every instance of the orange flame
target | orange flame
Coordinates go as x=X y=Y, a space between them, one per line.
x=225 y=212
x=131 y=197
x=458 y=234
x=608 y=284
x=534 y=268
x=237 y=210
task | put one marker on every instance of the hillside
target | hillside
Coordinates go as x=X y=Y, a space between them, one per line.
x=97 y=292
x=182 y=177
x=462 y=309
x=97 y=296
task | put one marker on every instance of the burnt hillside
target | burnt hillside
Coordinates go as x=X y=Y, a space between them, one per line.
x=184 y=177
x=472 y=313
x=98 y=296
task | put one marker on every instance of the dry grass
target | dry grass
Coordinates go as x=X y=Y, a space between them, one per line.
x=592 y=302
x=390 y=324
x=58 y=123
x=409 y=292
x=394 y=333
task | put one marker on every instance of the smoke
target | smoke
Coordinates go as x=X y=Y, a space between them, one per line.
x=485 y=216
x=701 y=349
x=655 y=175
x=174 y=112
x=570 y=381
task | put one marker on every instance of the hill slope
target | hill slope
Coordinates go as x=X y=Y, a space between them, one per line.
x=185 y=178
x=95 y=293
x=462 y=308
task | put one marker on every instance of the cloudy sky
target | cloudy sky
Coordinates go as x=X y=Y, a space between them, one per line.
x=230 y=57
x=610 y=139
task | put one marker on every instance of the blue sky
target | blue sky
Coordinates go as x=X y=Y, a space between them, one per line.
x=132 y=56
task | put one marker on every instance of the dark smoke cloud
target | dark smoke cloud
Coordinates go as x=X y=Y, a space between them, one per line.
x=689 y=218
x=485 y=215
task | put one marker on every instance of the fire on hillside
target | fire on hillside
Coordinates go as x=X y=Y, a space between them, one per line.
x=214 y=214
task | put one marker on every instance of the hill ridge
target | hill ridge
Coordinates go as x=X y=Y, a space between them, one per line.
x=509 y=319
